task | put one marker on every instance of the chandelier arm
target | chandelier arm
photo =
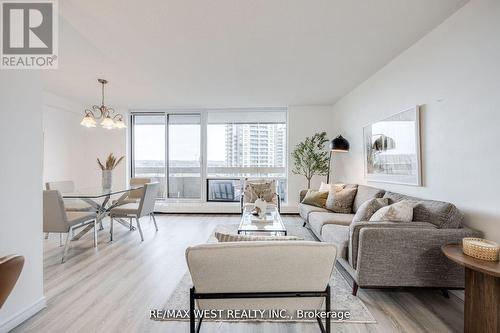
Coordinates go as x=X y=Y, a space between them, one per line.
x=98 y=110
x=118 y=116
x=89 y=113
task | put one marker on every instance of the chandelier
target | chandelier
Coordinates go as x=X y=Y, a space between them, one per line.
x=110 y=119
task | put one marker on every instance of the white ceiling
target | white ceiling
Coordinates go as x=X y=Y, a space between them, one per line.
x=164 y=53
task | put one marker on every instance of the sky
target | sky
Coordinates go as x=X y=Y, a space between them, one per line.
x=184 y=142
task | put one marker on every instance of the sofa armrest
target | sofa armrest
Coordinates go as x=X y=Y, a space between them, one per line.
x=408 y=256
x=302 y=195
x=356 y=227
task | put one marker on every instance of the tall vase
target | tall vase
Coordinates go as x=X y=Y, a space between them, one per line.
x=106 y=179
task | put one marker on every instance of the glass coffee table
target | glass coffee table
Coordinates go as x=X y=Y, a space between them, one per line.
x=251 y=224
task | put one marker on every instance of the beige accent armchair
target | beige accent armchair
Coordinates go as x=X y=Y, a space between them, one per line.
x=253 y=189
x=145 y=206
x=10 y=269
x=292 y=275
x=57 y=220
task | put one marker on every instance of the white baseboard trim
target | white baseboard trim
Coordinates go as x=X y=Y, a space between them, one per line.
x=22 y=316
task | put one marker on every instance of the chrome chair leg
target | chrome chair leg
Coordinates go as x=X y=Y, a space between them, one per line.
x=95 y=233
x=111 y=229
x=131 y=226
x=66 y=246
x=140 y=229
x=60 y=239
x=46 y=235
x=154 y=220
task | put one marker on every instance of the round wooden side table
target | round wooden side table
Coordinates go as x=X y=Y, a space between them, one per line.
x=482 y=291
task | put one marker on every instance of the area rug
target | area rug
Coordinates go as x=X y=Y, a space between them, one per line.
x=341 y=297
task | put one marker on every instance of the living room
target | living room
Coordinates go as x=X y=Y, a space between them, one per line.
x=250 y=166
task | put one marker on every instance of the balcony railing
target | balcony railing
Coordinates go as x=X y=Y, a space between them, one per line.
x=224 y=184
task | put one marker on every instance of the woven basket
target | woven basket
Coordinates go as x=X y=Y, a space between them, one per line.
x=480 y=248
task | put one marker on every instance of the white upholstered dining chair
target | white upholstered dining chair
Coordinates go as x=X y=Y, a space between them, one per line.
x=133 y=196
x=136 y=210
x=68 y=186
x=56 y=219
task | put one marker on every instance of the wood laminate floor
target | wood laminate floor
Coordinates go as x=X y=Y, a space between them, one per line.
x=112 y=289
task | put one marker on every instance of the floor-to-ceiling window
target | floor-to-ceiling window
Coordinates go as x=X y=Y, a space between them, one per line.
x=206 y=154
x=244 y=144
x=148 y=148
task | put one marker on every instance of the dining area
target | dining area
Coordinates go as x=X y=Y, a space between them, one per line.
x=71 y=212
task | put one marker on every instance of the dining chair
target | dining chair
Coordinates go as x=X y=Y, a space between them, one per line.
x=57 y=220
x=68 y=186
x=145 y=206
x=133 y=195
x=10 y=269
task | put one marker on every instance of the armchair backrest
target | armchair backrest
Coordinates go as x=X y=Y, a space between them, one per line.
x=148 y=200
x=253 y=189
x=265 y=266
x=54 y=214
x=65 y=186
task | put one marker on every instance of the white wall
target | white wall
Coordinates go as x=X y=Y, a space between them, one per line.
x=454 y=73
x=70 y=150
x=21 y=195
x=305 y=121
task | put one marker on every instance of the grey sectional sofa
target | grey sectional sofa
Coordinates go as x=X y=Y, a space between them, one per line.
x=392 y=254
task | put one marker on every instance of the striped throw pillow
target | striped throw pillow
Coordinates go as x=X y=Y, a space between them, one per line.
x=223 y=237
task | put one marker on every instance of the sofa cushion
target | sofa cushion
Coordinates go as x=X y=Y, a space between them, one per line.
x=337 y=235
x=318 y=219
x=366 y=193
x=366 y=210
x=305 y=210
x=442 y=214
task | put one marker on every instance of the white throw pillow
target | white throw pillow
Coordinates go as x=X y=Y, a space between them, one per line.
x=401 y=211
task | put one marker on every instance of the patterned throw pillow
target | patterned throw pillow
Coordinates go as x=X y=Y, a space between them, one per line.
x=331 y=187
x=265 y=190
x=341 y=201
x=401 y=211
x=368 y=208
x=315 y=198
x=223 y=237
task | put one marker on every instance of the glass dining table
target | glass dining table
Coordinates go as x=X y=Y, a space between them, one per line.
x=99 y=199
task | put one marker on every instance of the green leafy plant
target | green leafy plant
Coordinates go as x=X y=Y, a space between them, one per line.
x=111 y=162
x=310 y=157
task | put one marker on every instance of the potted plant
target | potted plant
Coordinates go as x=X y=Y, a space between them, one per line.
x=107 y=168
x=310 y=157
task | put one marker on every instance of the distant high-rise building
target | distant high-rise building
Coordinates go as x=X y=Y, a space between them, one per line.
x=255 y=145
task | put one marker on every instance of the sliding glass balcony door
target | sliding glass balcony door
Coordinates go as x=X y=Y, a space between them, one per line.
x=184 y=156
x=148 y=148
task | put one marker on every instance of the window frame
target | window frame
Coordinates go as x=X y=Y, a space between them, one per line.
x=203 y=112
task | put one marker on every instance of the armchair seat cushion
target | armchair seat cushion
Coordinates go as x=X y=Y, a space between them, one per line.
x=126 y=209
x=318 y=219
x=75 y=218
